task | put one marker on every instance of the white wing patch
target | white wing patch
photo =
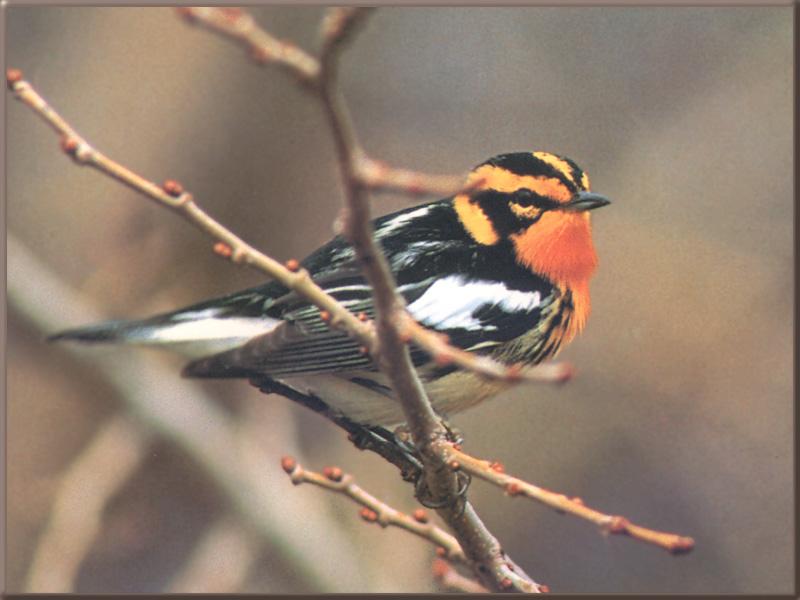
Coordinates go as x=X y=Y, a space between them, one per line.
x=414 y=253
x=205 y=336
x=197 y=314
x=451 y=302
x=400 y=221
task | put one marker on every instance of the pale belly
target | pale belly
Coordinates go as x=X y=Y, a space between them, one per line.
x=376 y=406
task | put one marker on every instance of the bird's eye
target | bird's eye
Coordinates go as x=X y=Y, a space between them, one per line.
x=526 y=197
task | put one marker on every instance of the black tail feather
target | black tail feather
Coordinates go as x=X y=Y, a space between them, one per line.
x=108 y=331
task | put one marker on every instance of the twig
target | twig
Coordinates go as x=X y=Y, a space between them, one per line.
x=172 y=195
x=101 y=469
x=494 y=473
x=338 y=27
x=375 y=511
x=443 y=353
x=381 y=177
x=394 y=357
x=392 y=353
x=264 y=48
x=449 y=578
x=363 y=437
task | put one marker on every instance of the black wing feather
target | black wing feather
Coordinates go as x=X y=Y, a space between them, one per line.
x=421 y=250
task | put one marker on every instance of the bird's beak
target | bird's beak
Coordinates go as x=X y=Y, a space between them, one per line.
x=585 y=201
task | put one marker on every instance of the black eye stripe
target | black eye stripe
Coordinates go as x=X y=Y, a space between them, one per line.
x=526 y=197
x=497 y=206
x=492 y=200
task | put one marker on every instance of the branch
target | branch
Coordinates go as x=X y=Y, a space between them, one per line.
x=381 y=177
x=376 y=511
x=494 y=473
x=490 y=562
x=338 y=27
x=443 y=353
x=374 y=439
x=449 y=578
x=394 y=357
x=264 y=48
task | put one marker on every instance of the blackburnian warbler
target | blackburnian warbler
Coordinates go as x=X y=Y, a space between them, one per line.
x=502 y=270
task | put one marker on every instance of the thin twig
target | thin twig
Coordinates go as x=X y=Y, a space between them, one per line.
x=449 y=578
x=338 y=27
x=363 y=437
x=394 y=357
x=264 y=48
x=172 y=195
x=376 y=511
x=443 y=353
x=381 y=177
x=494 y=473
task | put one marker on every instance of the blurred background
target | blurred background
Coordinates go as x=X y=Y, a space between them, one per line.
x=124 y=478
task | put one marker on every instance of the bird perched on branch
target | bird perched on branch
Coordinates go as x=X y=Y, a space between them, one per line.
x=503 y=270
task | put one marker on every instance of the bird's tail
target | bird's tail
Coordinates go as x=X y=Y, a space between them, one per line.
x=113 y=332
x=195 y=333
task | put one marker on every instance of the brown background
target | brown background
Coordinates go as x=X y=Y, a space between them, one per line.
x=681 y=415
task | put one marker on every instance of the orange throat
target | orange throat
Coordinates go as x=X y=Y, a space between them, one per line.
x=559 y=246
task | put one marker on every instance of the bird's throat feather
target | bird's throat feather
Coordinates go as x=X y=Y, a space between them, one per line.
x=559 y=246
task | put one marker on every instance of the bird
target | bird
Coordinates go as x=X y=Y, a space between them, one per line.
x=502 y=268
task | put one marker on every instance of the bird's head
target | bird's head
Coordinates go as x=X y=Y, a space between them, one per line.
x=540 y=203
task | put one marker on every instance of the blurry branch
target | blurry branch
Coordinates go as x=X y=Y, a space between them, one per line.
x=494 y=473
x=375 y=511
x=93 y=478
x=263 y=47
x=220 y=563
x=182 y=412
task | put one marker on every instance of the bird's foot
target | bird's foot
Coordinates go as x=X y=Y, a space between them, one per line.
x=453 y=435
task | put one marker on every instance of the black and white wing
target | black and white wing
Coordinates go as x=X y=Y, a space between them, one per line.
x=480 y=299
x=476 y=315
